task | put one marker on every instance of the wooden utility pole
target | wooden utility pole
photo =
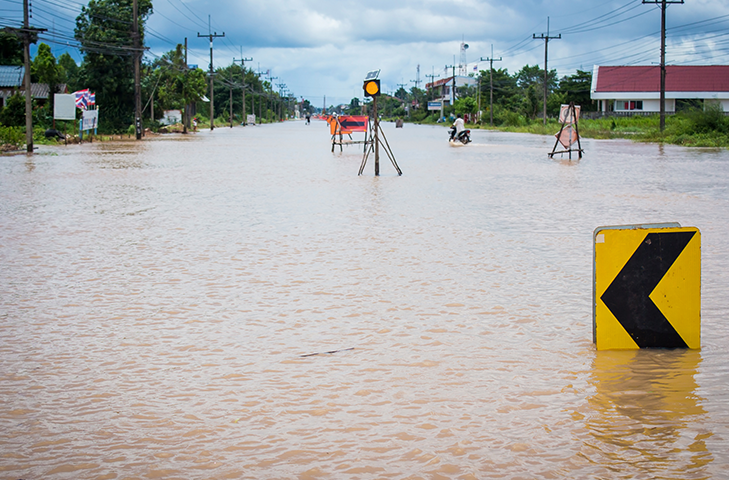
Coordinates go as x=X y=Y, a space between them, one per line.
x=663 y=4
x=212 y=72
x=26 y=81
x=546 y=70
x=453 y=91
x=186 y=116
x=230 y=105
x=491 y=61
x=26 y=34
x=137 y=72
x=432 y=77
x=243 y=61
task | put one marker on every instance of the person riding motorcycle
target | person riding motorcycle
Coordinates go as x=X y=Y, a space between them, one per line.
x=459 y=124
x=458 y=131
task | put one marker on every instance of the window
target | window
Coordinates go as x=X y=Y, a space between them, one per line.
x=632 y=105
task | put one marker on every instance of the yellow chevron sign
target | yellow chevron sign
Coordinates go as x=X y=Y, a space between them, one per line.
x=647 y=287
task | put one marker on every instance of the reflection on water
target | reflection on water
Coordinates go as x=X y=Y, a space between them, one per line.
x=646 y=415
x=156 y=298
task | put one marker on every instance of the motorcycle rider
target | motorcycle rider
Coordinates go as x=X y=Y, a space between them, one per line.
x=459 y=125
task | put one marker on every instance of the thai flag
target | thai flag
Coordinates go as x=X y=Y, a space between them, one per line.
x=91 y=99
x=82 y=98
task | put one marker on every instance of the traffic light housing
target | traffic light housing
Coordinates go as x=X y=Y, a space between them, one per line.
x=371 y=88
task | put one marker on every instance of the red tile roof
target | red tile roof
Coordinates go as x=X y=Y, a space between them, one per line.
x=705 y=78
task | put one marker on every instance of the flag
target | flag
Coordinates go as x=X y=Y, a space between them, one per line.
x=91 y=99
x=82 y=98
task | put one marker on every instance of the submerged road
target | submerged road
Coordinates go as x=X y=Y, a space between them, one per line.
x=240 y=304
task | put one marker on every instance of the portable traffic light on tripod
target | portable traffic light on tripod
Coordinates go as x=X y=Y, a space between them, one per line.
x=371 y=88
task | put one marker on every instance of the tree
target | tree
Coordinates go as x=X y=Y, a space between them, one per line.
x=104 y=30
x=354 y=107
x=68 y=72
x=465 y=105
x=576 y=88
x=11 y=49
x=45 y=70
x=13 y=114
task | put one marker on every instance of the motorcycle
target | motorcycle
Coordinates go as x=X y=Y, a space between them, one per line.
x=464 y=137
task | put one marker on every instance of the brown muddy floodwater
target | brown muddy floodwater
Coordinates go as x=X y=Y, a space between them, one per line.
x=157 y=300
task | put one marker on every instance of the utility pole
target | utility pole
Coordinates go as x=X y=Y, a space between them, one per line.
x=25 y=33
x=432 y=77
x=243 y=61
x=281 y=87
x=186 y=117
x=546 y=71
x=663 y=4
x=491 y=81
x=230 y=105
x=402 y=85
x=137 y=72
x=417 y=78
x=270 y=82
x=453 y=91
x=212 y=73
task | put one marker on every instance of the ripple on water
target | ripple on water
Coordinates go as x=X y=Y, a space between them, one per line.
x=159 y=298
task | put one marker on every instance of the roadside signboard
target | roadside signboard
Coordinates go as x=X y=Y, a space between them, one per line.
x=647 y=287
x=64 y=106
x=90 y=120
x=434 y=105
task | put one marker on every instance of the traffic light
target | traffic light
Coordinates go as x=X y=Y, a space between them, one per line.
x=371 y=88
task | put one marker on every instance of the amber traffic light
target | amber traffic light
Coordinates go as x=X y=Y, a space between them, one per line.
x=371 y=88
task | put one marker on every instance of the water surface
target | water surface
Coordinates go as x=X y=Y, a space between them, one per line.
x=157 y=298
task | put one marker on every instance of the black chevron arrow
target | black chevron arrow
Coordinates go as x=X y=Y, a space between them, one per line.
x=627 y=297
x=350 y=122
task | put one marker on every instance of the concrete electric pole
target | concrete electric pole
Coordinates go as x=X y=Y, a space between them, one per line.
x=243 y=61
x=491 y=61
x=546 y=71
x=211 y=36
x=663 y=4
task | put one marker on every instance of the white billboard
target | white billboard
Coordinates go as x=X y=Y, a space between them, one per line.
x=64 y=106
x=91 y=120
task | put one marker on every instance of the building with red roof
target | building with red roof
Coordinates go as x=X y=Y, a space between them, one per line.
x=635 y=89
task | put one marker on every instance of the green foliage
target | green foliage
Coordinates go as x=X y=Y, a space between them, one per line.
x=13 y=114
x=45 y=70
x=11 y=49
x=14 y=136
x=710 y=120
x=176 y=85
x=465 y=105
x=576 y=88
x=354 y=107
x=69 y=72
x=104 y=30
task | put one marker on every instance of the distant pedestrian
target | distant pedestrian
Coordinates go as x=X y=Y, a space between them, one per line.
x=308 y=118
x=194 y=124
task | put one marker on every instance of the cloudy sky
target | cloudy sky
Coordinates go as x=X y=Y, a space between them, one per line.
x=323 y=48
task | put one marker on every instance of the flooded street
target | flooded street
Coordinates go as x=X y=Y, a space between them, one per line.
x=157 y=301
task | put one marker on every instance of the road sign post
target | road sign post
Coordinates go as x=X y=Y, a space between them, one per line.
x=647 y=287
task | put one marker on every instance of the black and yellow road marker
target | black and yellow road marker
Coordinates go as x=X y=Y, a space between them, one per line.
x=647 y=287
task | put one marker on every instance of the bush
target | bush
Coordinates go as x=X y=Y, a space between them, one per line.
x=511 y=119
x=14 y=136
x=13 y=115
x=710 y=120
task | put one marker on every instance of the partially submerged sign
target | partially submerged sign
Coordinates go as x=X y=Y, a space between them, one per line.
x=569 y=133
x=647 y=287
x=346 y=124
x=90 y=120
